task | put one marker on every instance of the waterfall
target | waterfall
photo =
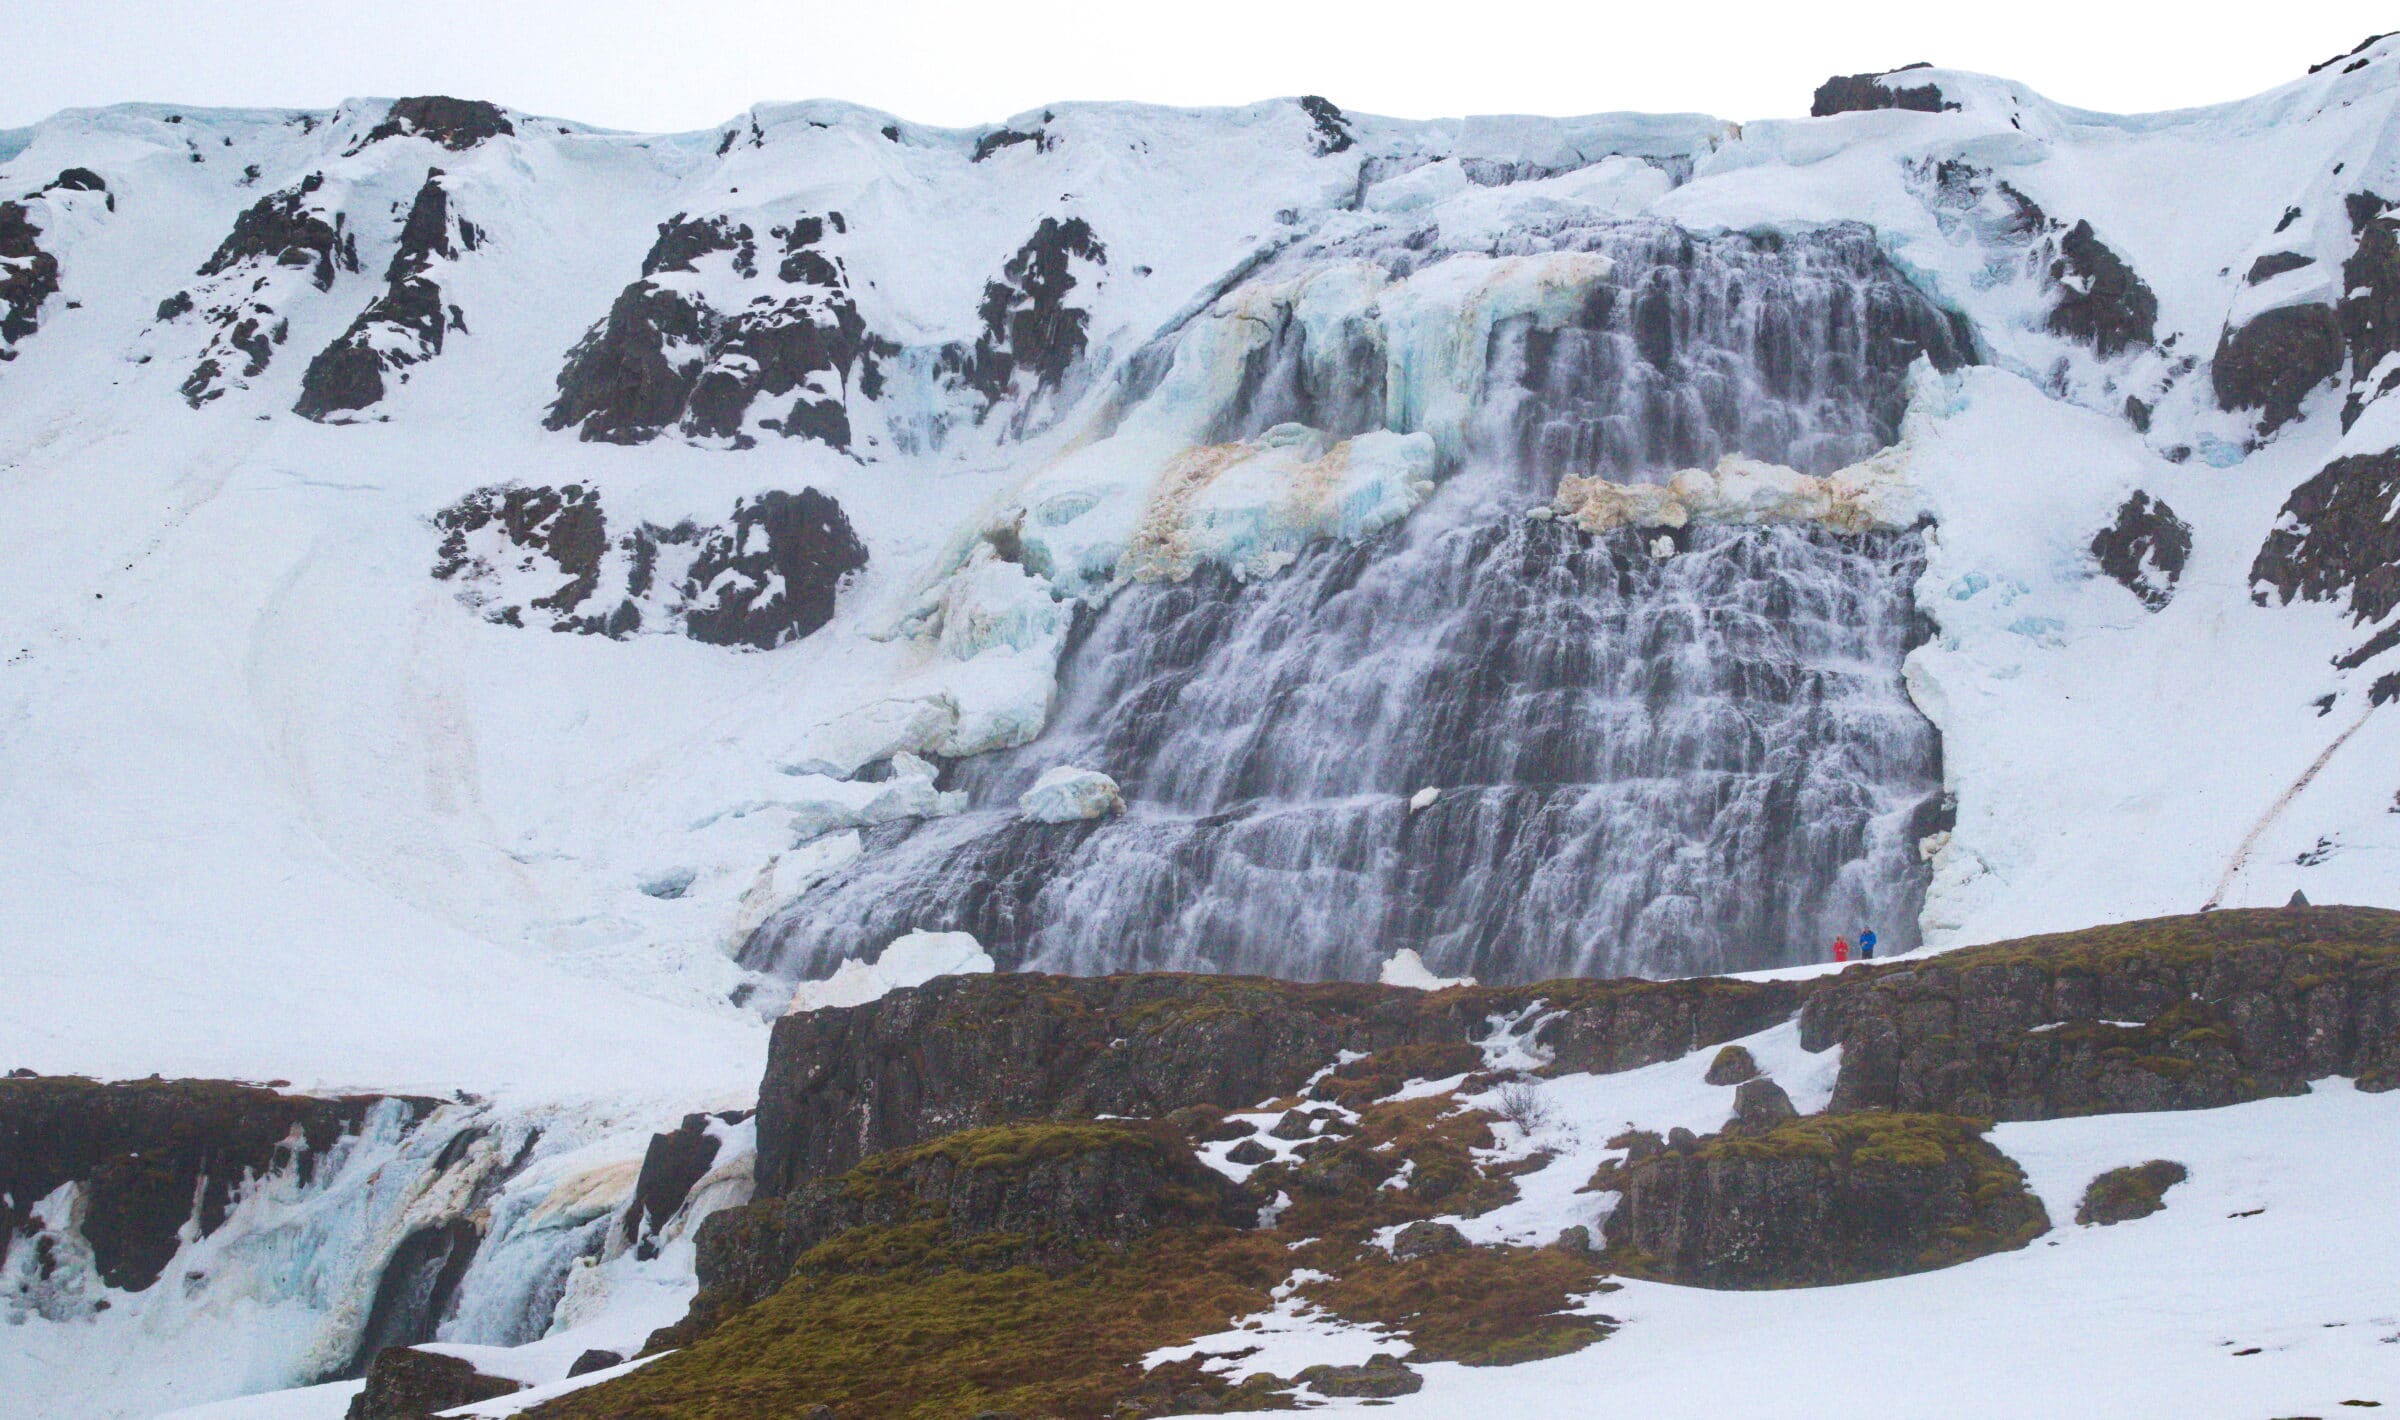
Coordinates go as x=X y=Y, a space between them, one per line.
x=1646 y=764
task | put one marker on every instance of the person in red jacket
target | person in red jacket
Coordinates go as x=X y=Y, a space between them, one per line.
x=1841 y=949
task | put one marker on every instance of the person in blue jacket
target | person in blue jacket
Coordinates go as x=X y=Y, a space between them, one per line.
x=1866 y=945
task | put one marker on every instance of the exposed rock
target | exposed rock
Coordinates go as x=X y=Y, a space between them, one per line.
x=1040 y=1195
x=1732 y=1065
x=1293 y=1125
x=1032 y=335
x=152 y=1155
x=1332 y=126
x=768 y=576
x=293 y=230
x=667 y=355
x=2370 y=304
x=1066 y=794
x=407 y=1384
x=2103 y=303
x=415 y=1291
x=2274 y=264
x=2173 y=1013
x=1249 y=1153
x=1000 y=138
x=593 y=1360
x=2271 y=363
x=402 y=327
x=2137 y=1191
x=1760 y=1105
x=963 y=1052
x=1858 y=93
x=1382 y=1376
x=2362 y=47
x=1425 y=1238
x=2145 y=549
x=456 y=124
x=674 y=1162
x=28 y=277
x=1822 y=1201
x=2338 y=539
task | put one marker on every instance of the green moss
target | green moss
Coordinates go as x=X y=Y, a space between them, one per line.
x=1008 y=1146
x=2123 y=1194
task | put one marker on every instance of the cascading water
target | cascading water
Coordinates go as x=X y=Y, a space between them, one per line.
x=1646 y=764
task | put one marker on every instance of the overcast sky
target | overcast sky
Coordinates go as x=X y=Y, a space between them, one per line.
x=683 y=64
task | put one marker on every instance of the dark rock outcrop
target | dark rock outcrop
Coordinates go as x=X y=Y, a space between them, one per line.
x=1332 y=126
x=674 y=1162
x=793 y=331
x=403 y=326
x=2338 y=539
x=288 y=230
x=2103 y=302
x=152 y=1155
x=2370 y=304
x=2137 y=1191
x=1425 y=1238
x=2145 y=549
x=1821 y=1201
x=2274 y=264
x=1033 y=335
x=594 y=1360
x=1037 y=1195
x=415 y=1292
x=28 y=277
x=407 y=1384
x=2174 y=1013
x=1759 y=1106
x=2271 y=363
x=1861 y=93
x=969 y=1051
x=767 y=576
x=456 y=124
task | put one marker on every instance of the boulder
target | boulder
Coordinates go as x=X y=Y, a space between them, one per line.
x=1425 y=1238
x=1065 y=794
x=1822 y=1201
x=1732 y=1065
x=1382 y=1377
x=594 y=1360
x=404 y=1383
x=2121 y=1195
x=1760 y=1105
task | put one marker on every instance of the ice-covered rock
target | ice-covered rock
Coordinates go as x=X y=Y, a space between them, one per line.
x=1405 y=968
x=1871 y=494
x=1066 y=794
x=831 y=805
x=1424 y=798
x=911 y=960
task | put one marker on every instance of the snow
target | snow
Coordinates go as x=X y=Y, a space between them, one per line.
x=1405 y=968
x=910 y=960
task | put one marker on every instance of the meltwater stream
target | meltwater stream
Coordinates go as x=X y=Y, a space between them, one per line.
x=1649 y=765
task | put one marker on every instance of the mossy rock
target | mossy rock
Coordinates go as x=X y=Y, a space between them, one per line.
x=2123 y=1194
x=1821 y=1200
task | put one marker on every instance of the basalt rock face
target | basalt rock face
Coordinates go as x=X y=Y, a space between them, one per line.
x=1862 y=93
x=707 y=332
x=402 y=327
x=28 y=277
x=671 y=1166
x=151 y=1156
x=2271 y=363
x=2370 y=304
x=768 y=575
x=2145 y=549
x=1822 y=1201
x=2337 y=540
x=1042 y=1194
x=456 y=124
x=407 y=1384
x=966 y=1052
x=2175 y=1013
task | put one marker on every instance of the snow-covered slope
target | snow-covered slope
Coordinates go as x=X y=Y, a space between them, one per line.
x=468 y=577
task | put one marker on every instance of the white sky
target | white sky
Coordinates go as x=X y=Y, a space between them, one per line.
x=684 y=64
